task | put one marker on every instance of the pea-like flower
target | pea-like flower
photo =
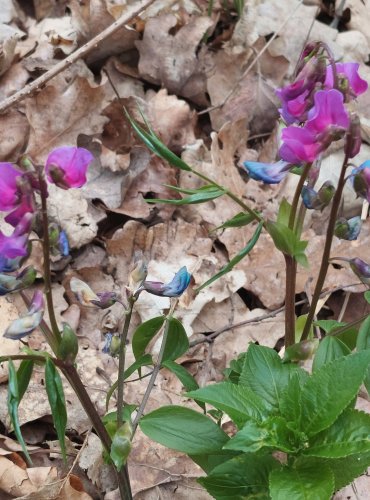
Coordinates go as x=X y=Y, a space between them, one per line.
x=269 y=173
x=9 y=190
x=26 y=324
x=88 y=298
x=348 y=229
x=361 y=269
x=361 y=180
x=174 y=288
x=318 y=200
x=66 y=166
x=350 y=82
x=24 y=279
x=299 y=146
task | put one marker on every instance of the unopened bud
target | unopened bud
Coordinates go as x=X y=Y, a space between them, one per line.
x=301 y=351
x=138 y=273
x=348 y=229
x=112 y=344
x=68 y=347
x=353 y=137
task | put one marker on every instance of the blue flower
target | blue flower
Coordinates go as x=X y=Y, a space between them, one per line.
x=174 y=288
x=269 y=173
x=318 y=200
x=348 y=229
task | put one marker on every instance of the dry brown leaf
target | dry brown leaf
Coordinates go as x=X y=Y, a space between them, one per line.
x=171 y=60
x=12 y=81
x=14 y=133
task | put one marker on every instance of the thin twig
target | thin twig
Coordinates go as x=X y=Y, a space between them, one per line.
x=250 y=66
x=78 y=54
x=344 y=306
x=210 y=338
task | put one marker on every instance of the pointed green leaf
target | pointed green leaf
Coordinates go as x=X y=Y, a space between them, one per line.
x=330 y=348
x=271 y=433
x=182 y=374
x=24 y=374
x=235 y=260
x=303 y=481
x=290 y=402
x=287 y=241
x=177 y=341
x=367 y=296
x=284 y=212
x=201 y=196
x=349 y=435
x=184 y=430
x=239 y=220
x=265 y=373
x=13 y=402
x=239 y=402
x=363 y=339
x=243 y=477
x=330 y=390
x=144 y=334
x=55 y=392
x=329 y=325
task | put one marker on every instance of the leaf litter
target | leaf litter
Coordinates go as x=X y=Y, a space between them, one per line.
x=206 y=85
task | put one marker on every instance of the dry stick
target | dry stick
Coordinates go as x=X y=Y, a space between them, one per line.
x=210 y=338
x=248 y=69
x=79 y=54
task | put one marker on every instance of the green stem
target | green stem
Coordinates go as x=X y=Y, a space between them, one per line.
x=155 y=372
x=297 y=194
x=121 y=362
x=327 y=248
x=46 y=253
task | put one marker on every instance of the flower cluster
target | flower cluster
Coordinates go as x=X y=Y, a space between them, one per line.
x=66 y=167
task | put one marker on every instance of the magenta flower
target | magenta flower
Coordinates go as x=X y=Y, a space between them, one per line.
x=328 y=114
x=299 y=145
x=66 y=166
x=312 y=73
x=361 y=180
x=26 y=206
x=269 y=173
x=13 y=246
x=351 y=82
x=9 y=191
x=295 y=110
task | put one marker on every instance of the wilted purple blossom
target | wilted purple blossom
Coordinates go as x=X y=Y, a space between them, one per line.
x=361 y=269
x=174 y=288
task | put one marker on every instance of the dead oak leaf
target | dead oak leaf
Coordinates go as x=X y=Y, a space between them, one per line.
x=169 y=59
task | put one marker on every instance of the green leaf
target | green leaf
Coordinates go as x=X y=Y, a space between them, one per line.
x=13 y=402
x=300 y=323
x=157 y=146
x=284 y=212
x=301 y=351
x=239 y=402
x=363 y=339
x=144 y=334
x=24 y=375
x=184 y=430
x=303 y=481
x=243 y=477
x=290 y=403
x=367 y=296
x=177 y=341
x=330 y=348
x=235 y=260
x=209 y=461
x=330 y=390
x=121 y=445
x=54 y=390
x=182 y=374
x=347 y=334
x=272 y=433
x=145 y=360
x=239 y=220
x=329 y=325
x=349 y=435
x=232 y=373
x=265 y=373
x=204 y=194
x=287 y=242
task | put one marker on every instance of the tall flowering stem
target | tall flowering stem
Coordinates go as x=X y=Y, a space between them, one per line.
x=46 y=254
x=326 y=253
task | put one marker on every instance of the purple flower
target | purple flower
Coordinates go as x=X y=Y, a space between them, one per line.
x=312 y=72
x=269 y=173
x=174 y=288
x=299 y=145
x=87 y=297
x=348 y=229
x=353 y=137
x=361 y=180
x=66 y=166
x=9 y=191
x=328 y=113
x=27 y=323
x=361 y=269
x=350 y=81
x=295 y=110
x=13 y=246
x=26 y=206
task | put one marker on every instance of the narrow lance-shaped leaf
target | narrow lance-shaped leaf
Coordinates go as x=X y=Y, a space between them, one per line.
x=235 y=260
x=202 y=195
x=24 y=374
x=54 y=390
x=239 y=220
x=156 y=145
x=13 y=402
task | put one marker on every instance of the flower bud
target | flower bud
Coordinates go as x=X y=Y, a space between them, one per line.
x=88 y=298
x=301 y=351
x=361 y=269
x=138 y=274
x=112 y=344
x=353 y=137
x=68 y=347
x=348 y=229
